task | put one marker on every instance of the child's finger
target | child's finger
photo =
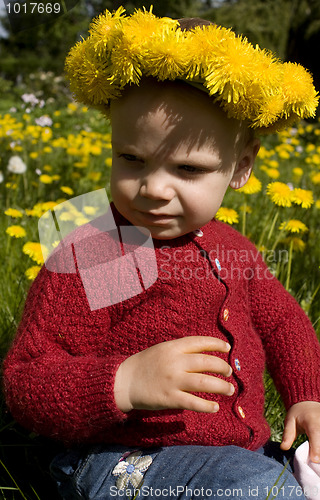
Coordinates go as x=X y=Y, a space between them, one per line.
x=200 y=382
x=203 y=343
x=195 y=403
x=200 y=363
x=289 y=434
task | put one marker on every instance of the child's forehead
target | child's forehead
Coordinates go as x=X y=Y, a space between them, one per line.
x=161 y=118
x=172 y=104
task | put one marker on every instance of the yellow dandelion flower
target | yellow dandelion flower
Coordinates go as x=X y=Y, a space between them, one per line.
x=252 y=186
x=273 y=163
x=45 y=179
x=246 y=208
x=90 y=210
x=300 y=94
x=16 y=231
x=94 y=176
x=273 y=173
x=67 y=190
x=315 y=178
x=72 y=106
x=47 y=168
x=48 y=205
x=298 y=244
x=227 y=77
x=293 y=226
x=11 y=185
x=35 y=251
x=13 y=212
x=227 y=215
x=318 y=204
x=66 y=216
x=104 y=28
x=108 y=162
x=302 y=197
x=32 y=272
x=271 y=110
x=279 y=193
x=297 y=171
x=79 y=221
x=167 y=56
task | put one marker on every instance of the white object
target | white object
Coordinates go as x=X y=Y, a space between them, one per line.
x=307 y=473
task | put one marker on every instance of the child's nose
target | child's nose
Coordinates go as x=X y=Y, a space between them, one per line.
x=157 y=187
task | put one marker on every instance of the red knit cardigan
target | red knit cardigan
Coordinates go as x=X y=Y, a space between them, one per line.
x=59 y=374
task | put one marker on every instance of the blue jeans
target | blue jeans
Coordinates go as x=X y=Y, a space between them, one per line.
x=178 y=472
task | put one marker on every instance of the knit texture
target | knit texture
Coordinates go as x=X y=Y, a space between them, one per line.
x=59 y=374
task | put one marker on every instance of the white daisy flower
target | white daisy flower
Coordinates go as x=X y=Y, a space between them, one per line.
x=16 y=165
x=130 y=470
x=44 y=121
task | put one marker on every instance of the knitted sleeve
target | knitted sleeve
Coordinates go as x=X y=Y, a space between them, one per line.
x=291 y=346
x=57 y=380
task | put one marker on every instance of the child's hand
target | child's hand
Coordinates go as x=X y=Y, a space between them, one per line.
x=164 y=375
x=303 y=417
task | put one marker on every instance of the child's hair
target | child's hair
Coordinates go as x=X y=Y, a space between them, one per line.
x=249 y=83
x=189 y=23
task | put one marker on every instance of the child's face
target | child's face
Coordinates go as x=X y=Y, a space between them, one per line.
x=174 y=155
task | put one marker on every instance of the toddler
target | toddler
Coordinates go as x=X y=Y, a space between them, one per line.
x=161 y=394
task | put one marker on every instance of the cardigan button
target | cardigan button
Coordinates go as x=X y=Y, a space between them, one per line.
x=237 y=364
x=241 y=412
x=198 y=232
x=226 y=314
x=217 y=263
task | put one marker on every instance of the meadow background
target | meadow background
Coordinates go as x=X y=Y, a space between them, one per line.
x=53 y=149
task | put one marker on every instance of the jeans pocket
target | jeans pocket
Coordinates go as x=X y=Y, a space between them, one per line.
x=67 y=467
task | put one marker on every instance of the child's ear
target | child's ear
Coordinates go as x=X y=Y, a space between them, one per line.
x=245 y=164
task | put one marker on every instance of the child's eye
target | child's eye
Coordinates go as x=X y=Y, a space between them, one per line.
x=189 y=169
x=129 y=157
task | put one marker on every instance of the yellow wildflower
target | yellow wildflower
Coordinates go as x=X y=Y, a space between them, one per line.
x=302 y=197
x=94 y=176
x=227 y=215
x=90 y=210
x=279 y=193
x=273 y=173
x=11 y=185
x=79 y=221
x=16 y=231
x=297 y=171
x=48 y=205
x=13 y=212
x=298 y=244
x=66 y=216
x=45 y=179
x=32 y=272
x=246 y=208
x=34 y=155
x=315 y=178
x=293 y=226
x=67 y=190
x=35 y=251
x=252 y=186
x=318 y=204
x=108 y=162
